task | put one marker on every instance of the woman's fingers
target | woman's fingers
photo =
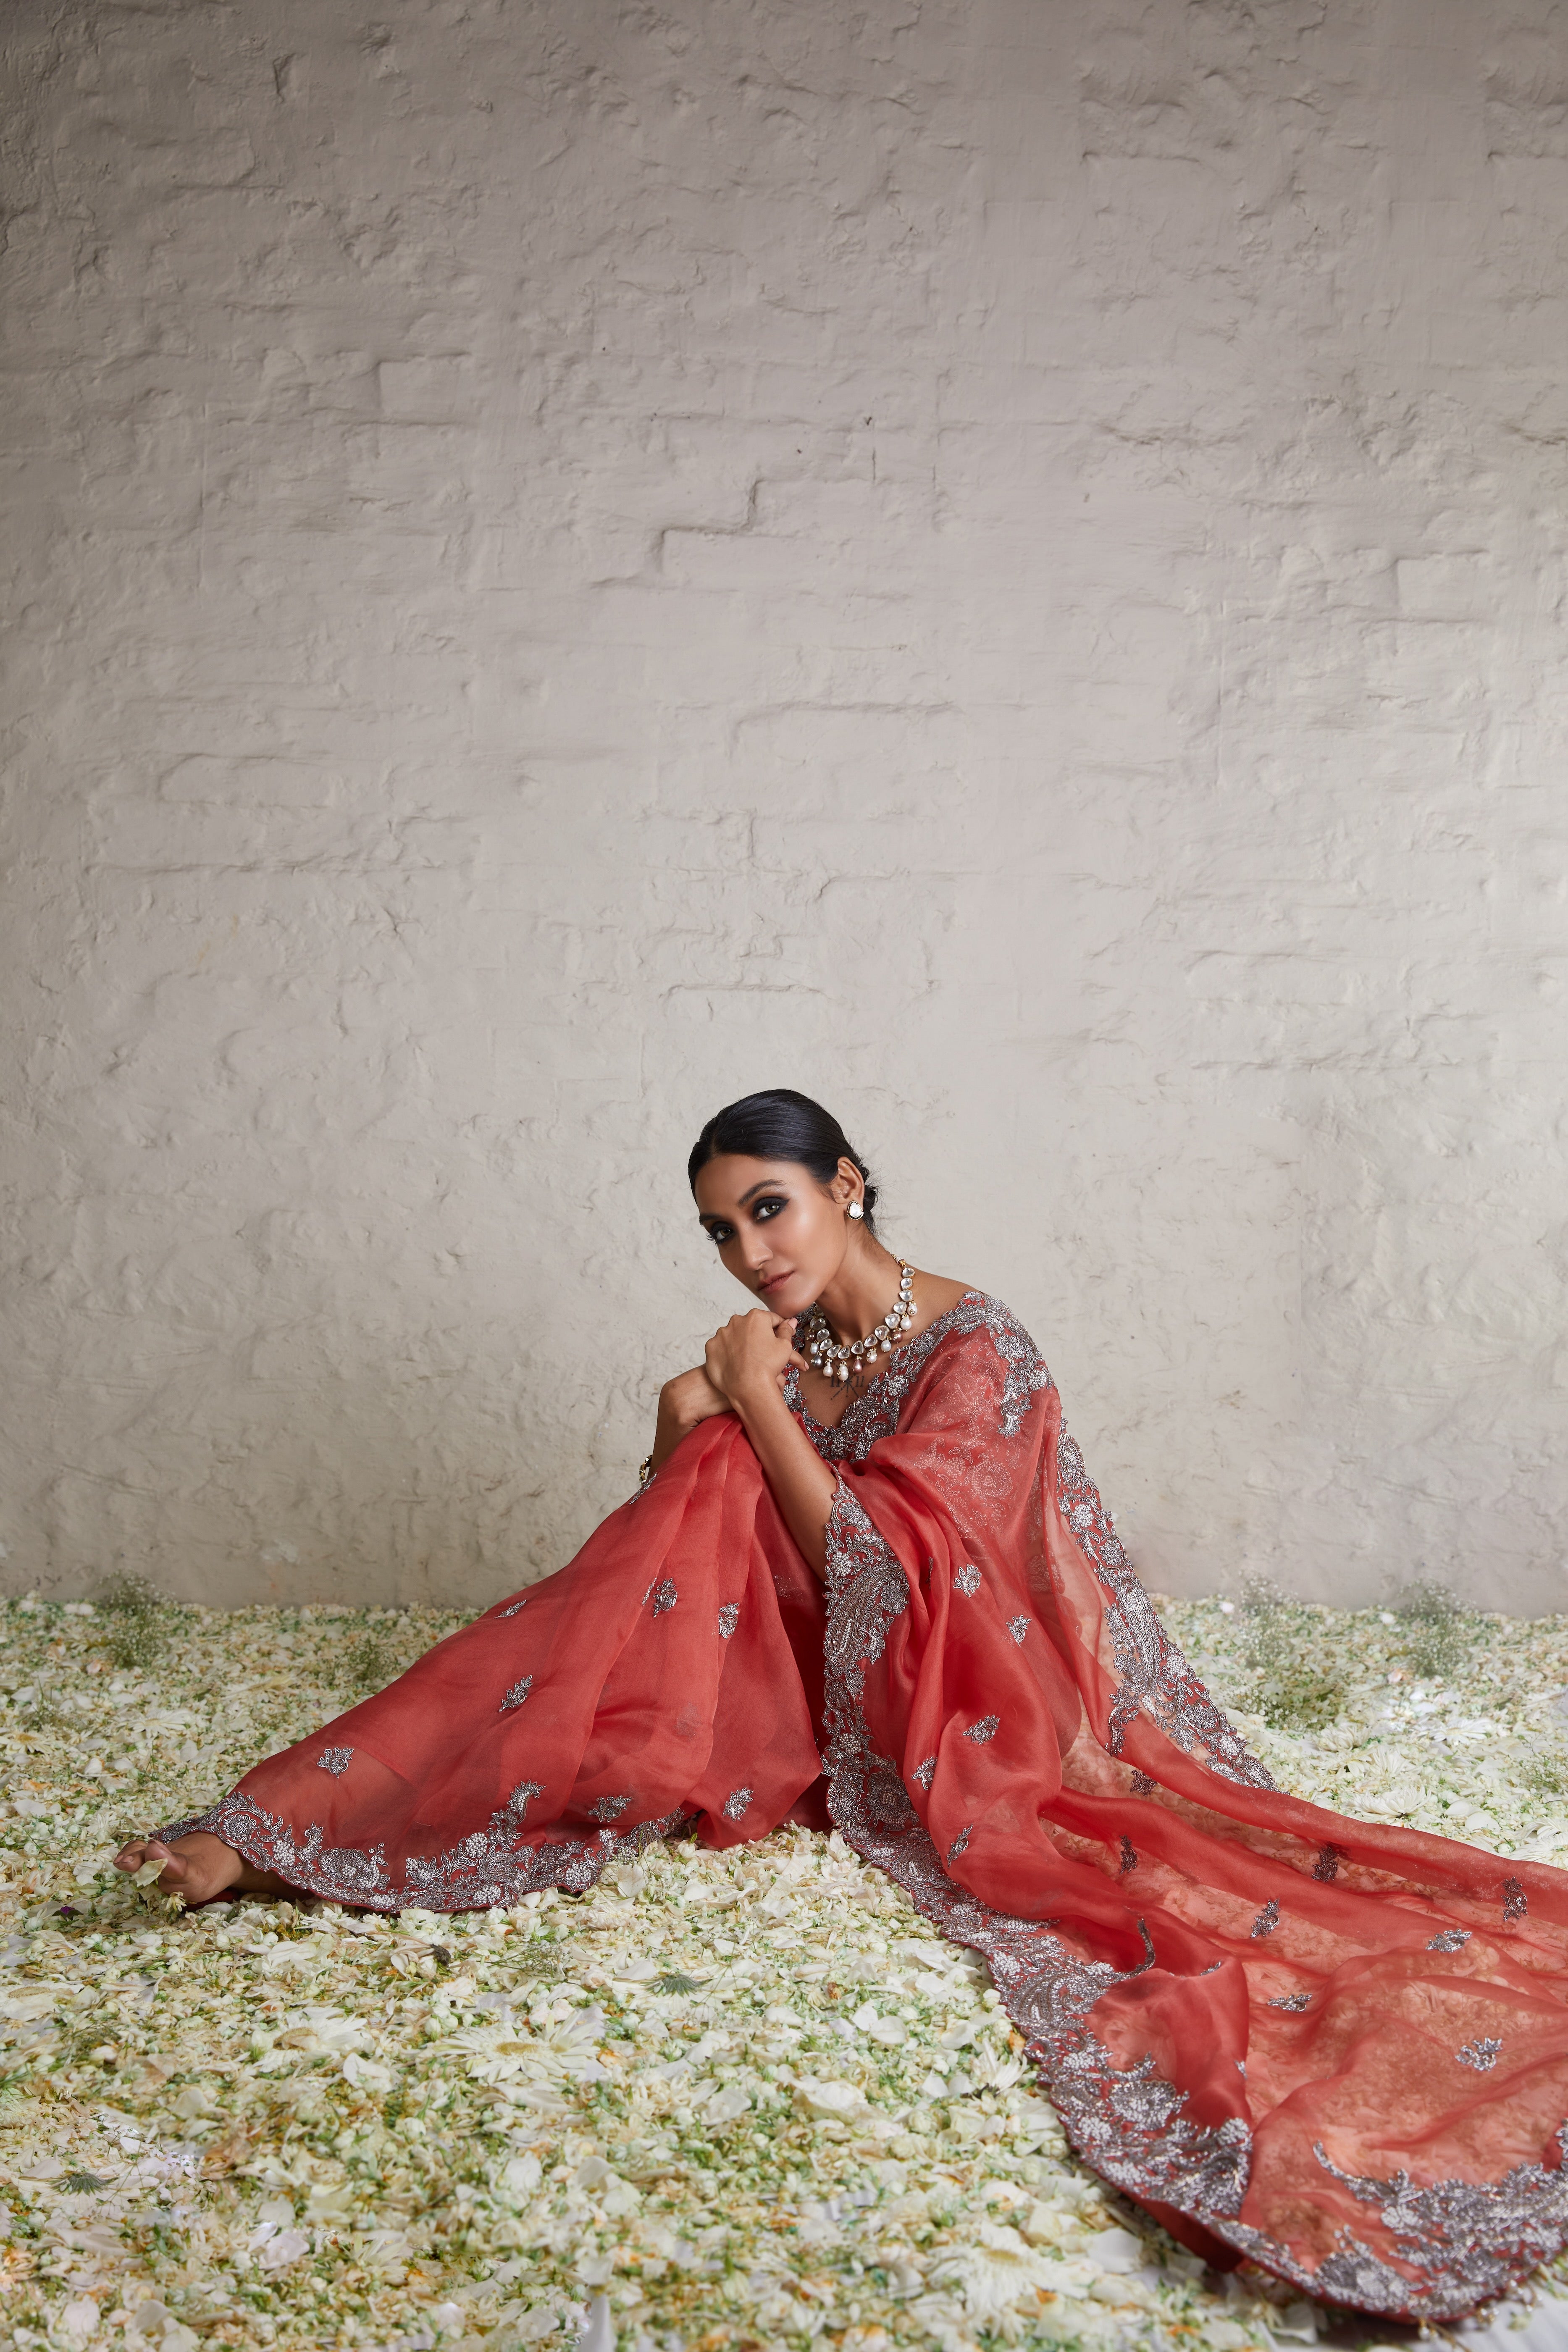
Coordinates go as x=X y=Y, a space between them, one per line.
x=751 y=1347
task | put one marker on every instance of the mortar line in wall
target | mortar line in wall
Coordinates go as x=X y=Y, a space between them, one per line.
x=202 y=507
x=1219 y=716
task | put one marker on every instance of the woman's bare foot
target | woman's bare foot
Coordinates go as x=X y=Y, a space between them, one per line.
x=199 y=1866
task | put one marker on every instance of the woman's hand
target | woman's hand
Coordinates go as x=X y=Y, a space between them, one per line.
x=750 y=1357
x=688 y=1398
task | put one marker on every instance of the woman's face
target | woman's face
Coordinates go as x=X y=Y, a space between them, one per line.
x=780 y=1233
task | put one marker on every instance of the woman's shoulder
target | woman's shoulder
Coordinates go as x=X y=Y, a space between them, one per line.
x=975 y=1333
x=962 y=1314
x=963 y=1304
x=937 y=1295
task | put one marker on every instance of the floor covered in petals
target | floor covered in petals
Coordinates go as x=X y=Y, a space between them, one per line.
x=743 y=2100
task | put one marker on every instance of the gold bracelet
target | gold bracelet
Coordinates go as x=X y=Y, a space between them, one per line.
x=645 y=1470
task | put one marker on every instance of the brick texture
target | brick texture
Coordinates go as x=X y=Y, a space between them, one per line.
x=999 y=561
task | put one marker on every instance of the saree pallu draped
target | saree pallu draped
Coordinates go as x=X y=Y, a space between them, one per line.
x=1338 y=2049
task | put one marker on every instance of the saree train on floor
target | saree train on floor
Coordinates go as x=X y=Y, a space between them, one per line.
x=1339 y=2049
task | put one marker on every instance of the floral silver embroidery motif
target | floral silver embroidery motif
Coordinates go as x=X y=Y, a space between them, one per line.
x=959 y=1841
x=966 y=1580
x=1515 y=1902
x=729 y=1618
x=735 y=1804
x=987 y=1728
x=1267 y=1920
x=1143 y=1785
x=335 y=1760
x=1481 y=2054
x=1473 y=2239
x=665 y=1597
x=925 y=1772
x=1018 y=1626
x=1291 y=2000
x=1327 y=1866
x=1130 y=1860
x=516 y=1696
x=1452 y=1939
x=1156 y=1679
x=870 y=1589
x=609 y=1808
x=515 y=1607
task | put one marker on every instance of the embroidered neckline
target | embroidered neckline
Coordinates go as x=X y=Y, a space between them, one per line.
x=876 y=1411
x=874 y=1387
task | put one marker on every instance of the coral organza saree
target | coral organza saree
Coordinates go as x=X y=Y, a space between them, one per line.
x=1338 y=2049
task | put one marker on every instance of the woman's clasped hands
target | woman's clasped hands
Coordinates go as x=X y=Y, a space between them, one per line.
x=747 y=1359
x=750 y=1355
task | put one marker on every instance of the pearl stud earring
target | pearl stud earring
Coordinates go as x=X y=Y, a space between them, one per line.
x=855 y=1209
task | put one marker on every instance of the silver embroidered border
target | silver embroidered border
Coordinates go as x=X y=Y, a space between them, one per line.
x=1464 y=2242
x=484 y=1871
x=1155 y=1678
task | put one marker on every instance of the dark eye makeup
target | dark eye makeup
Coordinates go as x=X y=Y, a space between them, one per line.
x=768 y=1207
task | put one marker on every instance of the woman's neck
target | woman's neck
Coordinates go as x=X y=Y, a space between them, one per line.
x=862 y=1290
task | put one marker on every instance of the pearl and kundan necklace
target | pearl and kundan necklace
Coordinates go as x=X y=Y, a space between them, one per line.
x=837 y=1361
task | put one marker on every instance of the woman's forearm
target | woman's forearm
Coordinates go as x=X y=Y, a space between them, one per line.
x=804 y=1486
x=683 y=1403
x=670 y=1426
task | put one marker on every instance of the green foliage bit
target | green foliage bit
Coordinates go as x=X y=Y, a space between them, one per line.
x=549 y=1959
x=82 y=2184
x=1433 y=1626
x=371 y=1662
x=1547 y=1776
x=1297 y=1684
x=139 y=1620
x=674 y=1980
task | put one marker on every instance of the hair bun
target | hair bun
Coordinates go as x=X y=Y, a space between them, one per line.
x=780 y=1125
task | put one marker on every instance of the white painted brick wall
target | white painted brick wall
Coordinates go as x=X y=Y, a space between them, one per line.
x=999 y=561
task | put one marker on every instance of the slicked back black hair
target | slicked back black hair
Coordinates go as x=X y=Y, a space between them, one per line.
x=780 y=1124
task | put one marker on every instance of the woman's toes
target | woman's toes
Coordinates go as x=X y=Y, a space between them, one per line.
x=142 y=1851
x=198 y=1867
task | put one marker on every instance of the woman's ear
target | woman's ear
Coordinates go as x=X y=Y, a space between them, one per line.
x=848 y=1185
